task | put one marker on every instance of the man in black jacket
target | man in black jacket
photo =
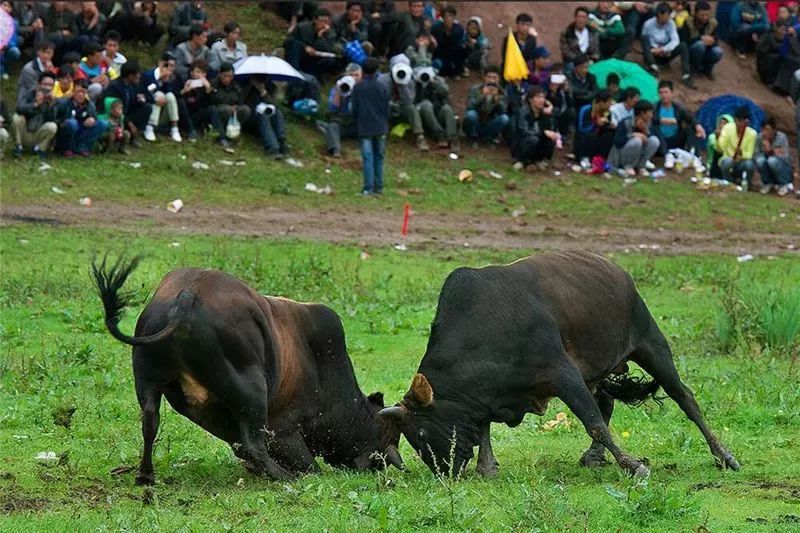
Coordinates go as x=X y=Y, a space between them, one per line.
x=675 y=126
x=79 y=127
x=228 y=99
x=371 y=115
x=312 y=46
x=34 y=124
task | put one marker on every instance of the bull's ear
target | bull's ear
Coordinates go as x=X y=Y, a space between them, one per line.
x=421 y=391
x=377 y=399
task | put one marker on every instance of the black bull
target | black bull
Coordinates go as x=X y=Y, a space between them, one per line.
x=507 y=339
x=269 y=376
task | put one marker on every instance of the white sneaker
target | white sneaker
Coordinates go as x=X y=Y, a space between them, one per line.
x=149 y=134
x=669 y=162
x=519 y=165
x=783 y=190
x=644 y=172
x=649 y=165
x=175 y=135
x=765 y=189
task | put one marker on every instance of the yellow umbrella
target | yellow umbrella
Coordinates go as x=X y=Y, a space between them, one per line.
x=514 y=66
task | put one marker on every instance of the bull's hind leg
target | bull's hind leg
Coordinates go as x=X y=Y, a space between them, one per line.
x=596 y=454
x=655 y=357
x=149 y=395
x=487 y=464
x=572 y=390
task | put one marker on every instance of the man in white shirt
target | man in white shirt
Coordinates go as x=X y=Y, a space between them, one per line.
x=578 y=39
x=661 y=43
x=227 y=50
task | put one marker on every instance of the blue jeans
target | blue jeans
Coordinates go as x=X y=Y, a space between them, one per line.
x=774 y=170
x=11 y=55
x=475 y=129
x=704 y=57
x=272 y=131
x=734 y=171
x=72 y=135
x=372 y=152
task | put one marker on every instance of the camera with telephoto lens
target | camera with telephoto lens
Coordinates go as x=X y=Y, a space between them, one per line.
x=424 y=75
x=269 y=110
x=345 y=85
x=401 y=73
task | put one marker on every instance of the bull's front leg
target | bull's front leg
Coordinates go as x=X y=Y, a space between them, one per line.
x=487 y=464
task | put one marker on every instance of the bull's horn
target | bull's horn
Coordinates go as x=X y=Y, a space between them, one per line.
x=393 y=457
x=395 y=410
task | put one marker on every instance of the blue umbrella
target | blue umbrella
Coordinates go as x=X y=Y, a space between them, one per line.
x=728 y=103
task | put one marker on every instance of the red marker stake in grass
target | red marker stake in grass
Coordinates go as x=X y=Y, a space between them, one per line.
x=404 y=231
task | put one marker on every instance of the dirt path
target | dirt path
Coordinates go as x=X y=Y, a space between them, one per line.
x=428 y=230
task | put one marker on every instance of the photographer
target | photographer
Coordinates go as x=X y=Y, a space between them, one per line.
x=34 y=125
x=340 y=118
x=486 y=117
x=433 y=104
x=228 y=100
x=79 y=127
x=162 y=83
x=267 y=120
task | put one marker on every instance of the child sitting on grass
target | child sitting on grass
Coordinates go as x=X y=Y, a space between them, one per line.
x=117 y=135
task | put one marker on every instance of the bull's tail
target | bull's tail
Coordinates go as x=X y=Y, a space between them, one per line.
x=109 y=279
x=632 y=390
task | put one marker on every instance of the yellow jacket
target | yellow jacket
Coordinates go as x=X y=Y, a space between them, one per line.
x=729 y=140
x=58 y=92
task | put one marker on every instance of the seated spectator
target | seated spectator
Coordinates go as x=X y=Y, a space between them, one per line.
x=535 y=137
x=188 y=52
x=773 y=159
x=421 y=53
x=34 y=125
x=196 y=109
x=402 y=96
x=94 y=70
x=29 y=18
x=485 y=117
x=623 y=110
x=33 y=69
x=778 y=58
x=382 y=25
x=773 y=7
x=296 y=12
x=737 y=142
x=437 y=115
x=352 y=27
x=681 y=11
x=64 y=82
x=4 y=135
x=560 y=96
x=713 y=151
x=609 y=28
x=112 y=58
x=747 y=24
x=797 y=129
x=661 y=44
x=163 y=84
x=228 y=100
x=477 y=46
x=267 y=119
x=612 y=86
x=409 y=24
x=117 y=135
x=10 y=52
x=634 y=15
x=525 y=34
x=539 y=68
x=579 y=40
x=582 y=82
x=186 y=15
x=701 y=31
x=61 y=28
x=136 y=101
x=634 y=143
x=787 y=18
x=228 y=50
x=92 y=24
x=340 y=111
x=79 y=127
x=371 y=115
x=310 y=45
x=675 y=126
x=596 y=128
x=138 y=21
x=450 y=36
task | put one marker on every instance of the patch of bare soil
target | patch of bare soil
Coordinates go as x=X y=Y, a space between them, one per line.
x=11 y=503
x=428 y=230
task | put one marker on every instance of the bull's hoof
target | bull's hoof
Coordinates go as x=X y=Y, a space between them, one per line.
x=726 y=460
x=593 y=459
x=145 y=479
x=488 y=469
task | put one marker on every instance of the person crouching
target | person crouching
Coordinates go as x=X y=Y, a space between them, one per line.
x=535 y=136
x=634 y=142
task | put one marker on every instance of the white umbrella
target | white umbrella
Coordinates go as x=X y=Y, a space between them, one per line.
x=272 y=66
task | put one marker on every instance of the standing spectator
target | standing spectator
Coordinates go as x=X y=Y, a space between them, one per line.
x=136 y=106
x=61 y=28
x=704 y=51
x=10 y=52
x=228 y=100
x=748 y=23
x=661 y=44
x=91 y=23
x=340 y=111
x=582 y=82
x=623 y=110
x=230 y=49
x=352 y=27
x=195 y=104
x=773 y=160
x=596 y=127
x=79 y=127
x=435 y=111
x=29 y=17
x=535 y=137
x=778 y=58
x=188 y=52
x=539 y=68
x=525 y=35
x=371 y=115
x=163 y=84
x=634 y=14
x=560 y=96
x=34 y=124
x=267 y=119
x=737 y=142
x=450 y=37
x=33 y=69
x=675 y=126
x=485 y=117
x=477 y=46
x=609 y=27
x=579 y=39
x=112 y=58
x=64 y=82
x=634 y=144
x=94 y=70
x=310 y=44
x=186 y=15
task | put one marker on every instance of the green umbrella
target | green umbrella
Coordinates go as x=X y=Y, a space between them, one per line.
x=630 y=75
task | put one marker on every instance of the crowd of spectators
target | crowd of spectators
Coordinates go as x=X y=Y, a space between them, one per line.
x=79 y=91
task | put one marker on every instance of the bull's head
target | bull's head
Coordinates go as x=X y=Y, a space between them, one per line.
x=440 y=431
x=386 y=452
